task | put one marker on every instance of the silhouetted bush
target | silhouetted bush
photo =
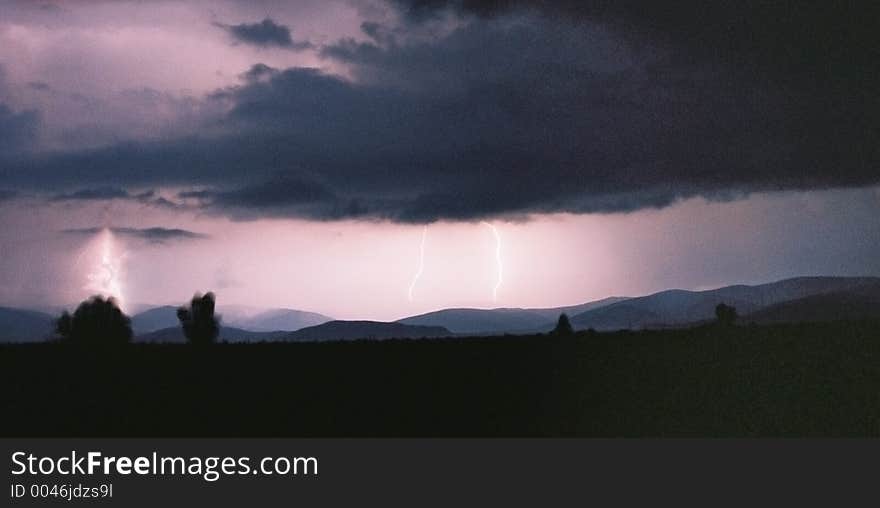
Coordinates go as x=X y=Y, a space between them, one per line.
x=725 y=314
x=199 y=324
x=563 y=326
x=96 y=321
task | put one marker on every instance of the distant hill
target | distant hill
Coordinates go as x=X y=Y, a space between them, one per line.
x=352 y=330
x=796 y=299
x=17 y=325
x=278 y=319
x=552 y=313
x=227 y=333
x=480 y=321
x=679 y=307
x=154 y=319
x=487 y=321
x=861 y=302
x=615 y=317
x=249 y=319
x=333 y=330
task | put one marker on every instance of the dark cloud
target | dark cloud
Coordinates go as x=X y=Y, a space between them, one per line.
x=506 y=117
x=797 y=41
x=276 y=192
x=96 y=194
x=18 y=129
x=265 y=33
x=258 y=71
x=148 y=197
x=155 y=235
x=198 y=194
x=6 y=195
x=520 y=109
x=39 y=85
x=821 y=55
x=281 y=196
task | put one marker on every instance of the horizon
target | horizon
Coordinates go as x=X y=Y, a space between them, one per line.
x=543 y=258
x=251 y=311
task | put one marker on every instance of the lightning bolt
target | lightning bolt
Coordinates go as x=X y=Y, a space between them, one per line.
x=105 y=278
x=500 y=277
x=421 y=263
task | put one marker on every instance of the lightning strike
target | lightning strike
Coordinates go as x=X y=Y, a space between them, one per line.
x=421 y=263
x=105 y=277
x=500 y=277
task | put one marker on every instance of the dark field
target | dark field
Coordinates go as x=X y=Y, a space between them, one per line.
x=784 y=380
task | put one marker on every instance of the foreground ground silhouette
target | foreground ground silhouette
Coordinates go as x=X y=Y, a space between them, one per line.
x=782 y=380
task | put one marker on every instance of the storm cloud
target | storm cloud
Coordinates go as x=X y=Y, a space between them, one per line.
x=99 y=193
x=148 y=197
x=154 y=235
x=17 y=128
x=795 y=40
x=518 y=108
x=265 y=33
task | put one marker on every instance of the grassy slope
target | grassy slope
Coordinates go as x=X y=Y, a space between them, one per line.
x=783 y=380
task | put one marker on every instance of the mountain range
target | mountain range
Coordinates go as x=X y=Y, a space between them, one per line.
x=19 y=325
x=679 y=307
x=861 y=302
x=273 y=319
x=789 y=300
x=331 y=330
x=504 y=320
x=351 y=330
x=244 y=318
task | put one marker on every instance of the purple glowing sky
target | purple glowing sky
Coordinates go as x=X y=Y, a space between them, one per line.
x=363 y=269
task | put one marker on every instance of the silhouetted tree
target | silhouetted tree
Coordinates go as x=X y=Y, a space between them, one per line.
x=96 y=321
x=563 y=326
x=199 y=324
x=725 y=314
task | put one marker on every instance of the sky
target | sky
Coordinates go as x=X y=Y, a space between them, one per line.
x=380 y=158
